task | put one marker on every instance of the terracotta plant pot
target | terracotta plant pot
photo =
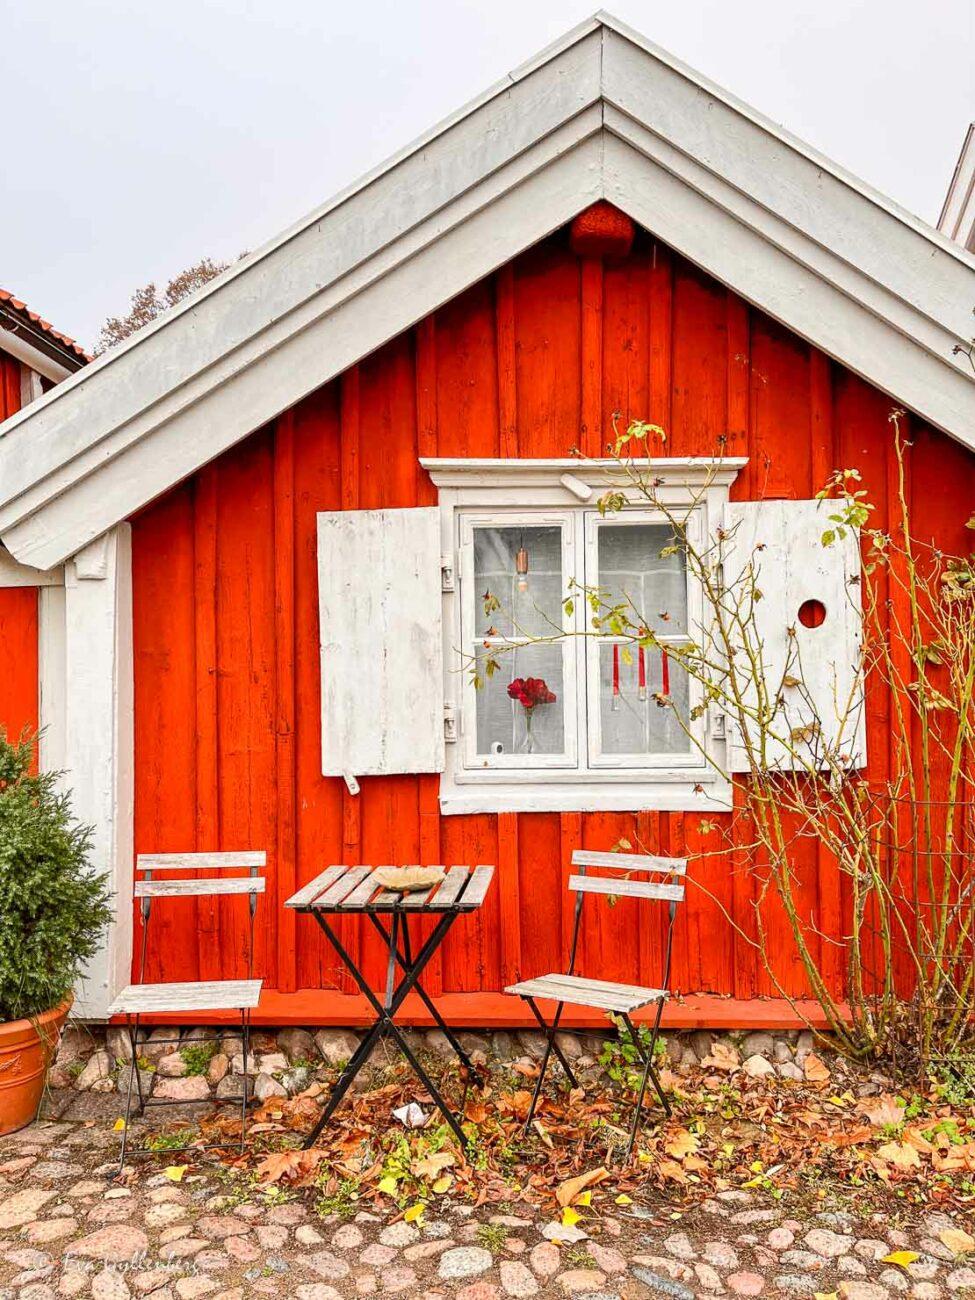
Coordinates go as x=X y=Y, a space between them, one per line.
x=27 y=1048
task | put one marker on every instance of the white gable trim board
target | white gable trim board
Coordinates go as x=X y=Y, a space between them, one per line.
x=601 y=114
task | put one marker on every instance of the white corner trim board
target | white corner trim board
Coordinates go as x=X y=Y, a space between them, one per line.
x=98 y=740
x=601 y=114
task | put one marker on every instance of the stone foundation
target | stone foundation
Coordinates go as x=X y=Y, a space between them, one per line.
x=208 y=1062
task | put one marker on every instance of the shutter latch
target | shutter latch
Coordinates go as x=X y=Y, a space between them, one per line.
x=446 y=573
x=449 y=724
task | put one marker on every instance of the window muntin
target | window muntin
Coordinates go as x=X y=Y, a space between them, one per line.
x=628 y=556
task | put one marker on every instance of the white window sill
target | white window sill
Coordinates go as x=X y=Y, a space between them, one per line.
x=643 y=796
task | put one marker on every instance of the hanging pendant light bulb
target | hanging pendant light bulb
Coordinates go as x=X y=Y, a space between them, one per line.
x=521 y=566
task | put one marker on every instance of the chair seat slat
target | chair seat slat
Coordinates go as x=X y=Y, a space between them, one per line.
x=601 y=994
x=200 y=995
x=199 y=861
x=630 y=862
x=626 y=888
x=198 y=888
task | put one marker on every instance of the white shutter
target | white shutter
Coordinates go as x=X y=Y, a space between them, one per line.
x=783 y=541
x=379 y=601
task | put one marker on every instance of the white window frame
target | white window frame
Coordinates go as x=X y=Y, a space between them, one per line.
x=565 y=491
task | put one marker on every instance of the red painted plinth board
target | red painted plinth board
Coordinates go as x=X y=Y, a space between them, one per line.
x=530 y=362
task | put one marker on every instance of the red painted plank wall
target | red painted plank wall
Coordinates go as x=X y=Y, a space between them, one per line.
x=9 y=385
x=18 y=610
x=530 y=362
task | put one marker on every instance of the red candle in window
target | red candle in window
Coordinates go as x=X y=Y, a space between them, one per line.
x=642 y=673
x=616 y=677
x=664 y=673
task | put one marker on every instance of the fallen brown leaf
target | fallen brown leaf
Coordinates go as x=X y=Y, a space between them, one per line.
x=814 y=1070
x=567 y=1191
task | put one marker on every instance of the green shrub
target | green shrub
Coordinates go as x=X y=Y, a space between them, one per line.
x=53 y=909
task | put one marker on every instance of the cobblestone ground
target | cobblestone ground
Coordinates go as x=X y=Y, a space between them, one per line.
x=68 y=1229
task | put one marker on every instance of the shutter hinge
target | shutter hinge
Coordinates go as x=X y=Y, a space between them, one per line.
x=446 y=573
x=449 y=724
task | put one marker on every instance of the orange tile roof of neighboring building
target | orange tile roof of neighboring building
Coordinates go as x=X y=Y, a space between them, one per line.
x=8 y=300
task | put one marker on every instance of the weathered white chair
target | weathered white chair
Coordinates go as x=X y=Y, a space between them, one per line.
x=141 y=999
x=619 y=999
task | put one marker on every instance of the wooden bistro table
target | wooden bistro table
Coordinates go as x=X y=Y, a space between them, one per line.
x=351 y=891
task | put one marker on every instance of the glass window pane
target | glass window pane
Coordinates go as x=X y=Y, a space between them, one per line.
x=530 y=600
x=630 y=724
x=632 y=568
x=505 y=725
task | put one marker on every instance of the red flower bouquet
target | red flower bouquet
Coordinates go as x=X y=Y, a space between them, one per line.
x=530 y=692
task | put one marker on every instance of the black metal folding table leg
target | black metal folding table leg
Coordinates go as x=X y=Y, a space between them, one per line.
x=345 y=1079
x=405 y=960
x=384 y=1023
x=428 y=1083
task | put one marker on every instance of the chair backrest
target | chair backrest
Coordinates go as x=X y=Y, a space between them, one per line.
x=630 y=864
x=149 y=863
x=625 y=884
x=200 y=887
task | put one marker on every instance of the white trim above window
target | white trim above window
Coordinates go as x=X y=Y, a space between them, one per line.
x=489 y=511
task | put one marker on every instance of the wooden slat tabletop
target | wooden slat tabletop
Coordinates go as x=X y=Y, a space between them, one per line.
x=354 y=889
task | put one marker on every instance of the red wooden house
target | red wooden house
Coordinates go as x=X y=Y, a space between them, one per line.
x=229 y=663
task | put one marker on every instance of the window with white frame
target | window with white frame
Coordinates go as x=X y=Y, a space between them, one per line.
x=409 y=597
x=568 y=720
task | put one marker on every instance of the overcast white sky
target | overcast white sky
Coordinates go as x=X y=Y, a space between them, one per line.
x=140 y=136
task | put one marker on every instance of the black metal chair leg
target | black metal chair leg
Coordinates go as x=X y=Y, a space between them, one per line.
x=550 y=1043
x=134 y=1045
x=133 y=1073
x=649 y=1075
x=647 y=1070
x=555 y=1047
x=245 y=1046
